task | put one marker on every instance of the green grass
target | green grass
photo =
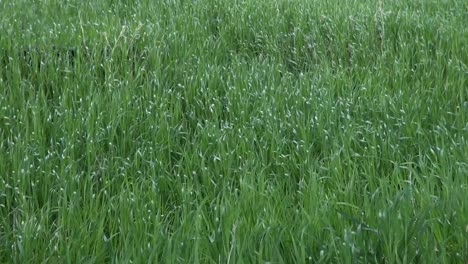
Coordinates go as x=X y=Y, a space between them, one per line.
x=225 y=131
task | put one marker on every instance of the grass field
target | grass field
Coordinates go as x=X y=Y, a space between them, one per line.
x=229 y=131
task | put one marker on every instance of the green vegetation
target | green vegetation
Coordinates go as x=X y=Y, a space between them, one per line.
x=224 y=131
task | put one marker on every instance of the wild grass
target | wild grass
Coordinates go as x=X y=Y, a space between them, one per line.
x=233 y=131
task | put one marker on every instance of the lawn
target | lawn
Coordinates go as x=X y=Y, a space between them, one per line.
x=234 y=131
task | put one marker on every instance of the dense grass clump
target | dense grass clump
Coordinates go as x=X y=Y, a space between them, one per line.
x=233 y=131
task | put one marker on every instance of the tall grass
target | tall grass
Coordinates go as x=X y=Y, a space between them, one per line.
x=233 y=131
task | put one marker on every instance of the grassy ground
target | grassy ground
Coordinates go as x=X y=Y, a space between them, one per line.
x=225 y=131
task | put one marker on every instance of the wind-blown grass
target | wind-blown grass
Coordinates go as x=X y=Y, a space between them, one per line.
x=233 y=132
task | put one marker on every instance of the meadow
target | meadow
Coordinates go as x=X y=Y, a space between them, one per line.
x=233 y=131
